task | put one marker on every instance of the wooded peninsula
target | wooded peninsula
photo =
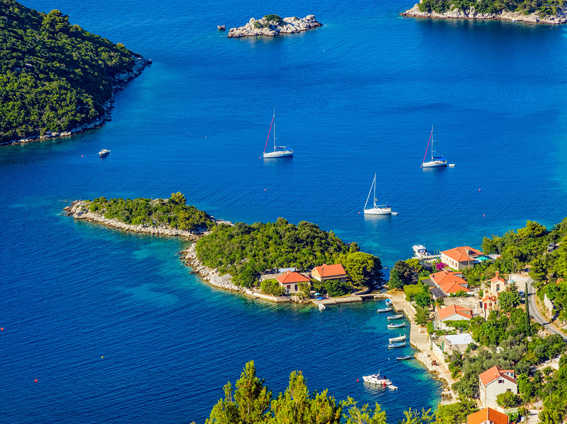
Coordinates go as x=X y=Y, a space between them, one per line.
x=54 y=76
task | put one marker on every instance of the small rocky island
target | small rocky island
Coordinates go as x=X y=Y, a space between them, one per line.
x=273 y=25
x=536 y=12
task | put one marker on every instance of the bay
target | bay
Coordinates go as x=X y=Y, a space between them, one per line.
x=115 y=329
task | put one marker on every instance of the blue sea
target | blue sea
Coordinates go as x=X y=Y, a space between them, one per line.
x=116 y=330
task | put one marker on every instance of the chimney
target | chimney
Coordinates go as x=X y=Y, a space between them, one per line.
x=497 y=273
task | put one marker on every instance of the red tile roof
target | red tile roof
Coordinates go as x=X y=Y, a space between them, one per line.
x=451 y=310
x=330 y=271
x=497 y=278
x=291 y=278
x=487 y=414
x=449 y=282
x=494 y=373
x=462 y=254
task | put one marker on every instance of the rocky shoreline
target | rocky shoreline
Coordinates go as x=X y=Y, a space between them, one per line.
x=79 y=210
x=118 y=79
x=272 y=26
x=534 y=18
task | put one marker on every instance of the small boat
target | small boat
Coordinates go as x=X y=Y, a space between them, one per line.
x=384 y=310
x=451 y=165
x=377 y=379
x=395 y=345
x=376 y=209
x=104 y=153
x=388 y=302
x=436 y=161
x=394 y=213
x=404 y=358
x=392 y=387
x=392 y=317
x=419 y=251
x=397 y=339
x=321 y=307
x=403 y=324
x=279 y=151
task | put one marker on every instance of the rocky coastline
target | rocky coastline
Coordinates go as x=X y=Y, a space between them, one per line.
x=79 y=209
x=533 y=18
x=118 y=79
x=273 y=26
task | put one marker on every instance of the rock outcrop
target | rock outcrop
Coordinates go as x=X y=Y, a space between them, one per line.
x=139 y=65
x=454 y=13
x=272 y=26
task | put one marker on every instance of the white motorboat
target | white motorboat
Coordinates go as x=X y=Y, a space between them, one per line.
x=279 y=151
x=377 y=379
x=376 y=209
x=419 y=251
x=321 y=307
x=436 y=161
x=103 y=153
x=395 y=345
x=384 y=310
x=397 y=339
x=392 y=317
x=392 y=387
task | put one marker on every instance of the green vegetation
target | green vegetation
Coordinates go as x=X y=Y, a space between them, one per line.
x=53 y=75
x=272 y=287
x=245 y=251
x=173 y=212
x=548 y=7
x=508 y=400
x=252 y=402
x=275 y=19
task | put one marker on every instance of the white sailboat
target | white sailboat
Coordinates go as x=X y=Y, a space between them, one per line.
x=436 y=161
x=376 y=209
x=279 y=151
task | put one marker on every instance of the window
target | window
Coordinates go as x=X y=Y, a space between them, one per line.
x=500 y=381
x=509 y=390
x=296 y=287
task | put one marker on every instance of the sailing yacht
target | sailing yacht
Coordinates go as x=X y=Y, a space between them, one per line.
x=279 y=151
x=436 y=161
x=376 y=209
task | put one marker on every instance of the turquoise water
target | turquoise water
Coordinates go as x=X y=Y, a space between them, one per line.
x=355 y=97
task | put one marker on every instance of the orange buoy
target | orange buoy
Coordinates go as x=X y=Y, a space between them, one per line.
x=479 y=189
x=265 y=189
x=357 y=380
x=35 y=381
x=1 y=328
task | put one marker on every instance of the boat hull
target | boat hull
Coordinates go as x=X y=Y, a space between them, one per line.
x=434 y=164
x=275 y=155
x=378 y=211
x=396 y=339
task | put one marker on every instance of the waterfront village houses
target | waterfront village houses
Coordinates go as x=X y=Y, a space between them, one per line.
x=449 y=282
x=493 y=382
x=460 y=258
x=452 y=313
x=329 y=272
x=487 y=416
x=290 y=281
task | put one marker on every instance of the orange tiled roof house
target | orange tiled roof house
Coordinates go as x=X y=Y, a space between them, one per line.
x=460 y=258
x=493 y=382
x=452 y=313
x=329 y=272
x=487 y=416
x=290 y=281
x=449 y=282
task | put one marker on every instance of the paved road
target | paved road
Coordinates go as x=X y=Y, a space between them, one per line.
x=536 y=315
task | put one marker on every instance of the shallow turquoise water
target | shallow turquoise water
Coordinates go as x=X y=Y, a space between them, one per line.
x=354 y=97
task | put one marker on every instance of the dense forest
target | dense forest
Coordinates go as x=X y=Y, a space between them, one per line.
x=173 y=212
x=53 y=75
x=544 y=8
x=245 y=251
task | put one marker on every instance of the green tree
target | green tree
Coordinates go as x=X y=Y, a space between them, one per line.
x=508 y=400
x=509 y=300
x=455 y=413
x=364 y=415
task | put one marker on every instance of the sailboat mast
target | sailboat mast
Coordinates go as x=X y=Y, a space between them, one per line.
x=272 y=123
x=429 y=141
x=375 y=190
x=370 y=192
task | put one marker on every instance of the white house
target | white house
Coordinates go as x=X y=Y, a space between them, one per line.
x=493 y=382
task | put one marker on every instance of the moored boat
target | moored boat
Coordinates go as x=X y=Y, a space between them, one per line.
x=376 y=209
x=279 y=151
x=397 y=339
x=404 y=358
x=321 y=307
x=436 y=161
x=392 y=387
x=103 y=153
x=388 y=302
x=392 y=317
x=397 y=325
x=384 y=310
x=377 y=379
x=419 y=251
x=395 y=345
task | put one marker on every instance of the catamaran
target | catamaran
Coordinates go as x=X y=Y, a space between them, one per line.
x=376 y=209
x=279 y=151
x=436 y=161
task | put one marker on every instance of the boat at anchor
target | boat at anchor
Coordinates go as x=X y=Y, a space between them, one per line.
x=436 y=161
x=392 y=317
x=397 y=339
x=384 y=310
x=397 y=325
x=376 y=209
x=279 y=151
x=395 y=345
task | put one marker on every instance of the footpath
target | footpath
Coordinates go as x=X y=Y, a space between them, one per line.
x=419 y=339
